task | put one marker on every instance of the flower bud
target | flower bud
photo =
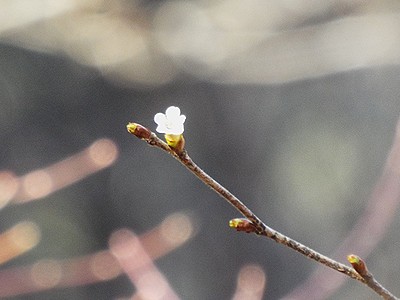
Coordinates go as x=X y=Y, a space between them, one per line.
x=138 y=130
x=242 y=224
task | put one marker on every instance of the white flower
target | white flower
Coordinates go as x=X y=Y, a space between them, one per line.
x=171 y=122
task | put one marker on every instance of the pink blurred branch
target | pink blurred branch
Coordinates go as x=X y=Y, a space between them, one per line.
x=251 y=283
x=43 y=182
x=138 y=265
x=48 y=274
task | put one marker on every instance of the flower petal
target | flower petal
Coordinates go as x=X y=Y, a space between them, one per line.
x=160 y=118
x=172 y=113
x=161 y=129
x=177 y=130
x=182 y=119
x=171 y=122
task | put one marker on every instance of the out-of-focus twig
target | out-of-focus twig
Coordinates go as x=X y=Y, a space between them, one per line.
x=48 y=274
x=42 y=182
x=139 y=267
x=251 y=283
x=18 y=240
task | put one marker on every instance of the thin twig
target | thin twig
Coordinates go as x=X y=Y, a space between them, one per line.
x=260 y=228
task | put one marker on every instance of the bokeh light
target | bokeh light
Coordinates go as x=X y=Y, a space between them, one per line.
x=18 y=240
x=251 y=283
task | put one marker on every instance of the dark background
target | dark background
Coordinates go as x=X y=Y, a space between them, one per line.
x=291 y=106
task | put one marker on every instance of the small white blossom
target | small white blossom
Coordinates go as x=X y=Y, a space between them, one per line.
x=171 y=122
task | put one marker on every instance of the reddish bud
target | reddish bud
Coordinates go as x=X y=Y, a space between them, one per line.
x=139 y=131
x=358 y=264
x=242 y=224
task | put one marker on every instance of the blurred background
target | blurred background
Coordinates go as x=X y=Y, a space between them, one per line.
x=291 y=104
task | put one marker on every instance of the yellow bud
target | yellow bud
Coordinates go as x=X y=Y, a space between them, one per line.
x=176 y=142
x=353 y=259
x=234 y=223
x=358 y=264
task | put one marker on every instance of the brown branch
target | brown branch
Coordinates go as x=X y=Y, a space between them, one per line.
x=259 y=227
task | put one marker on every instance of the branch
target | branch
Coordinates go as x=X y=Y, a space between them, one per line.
x=259 y=227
